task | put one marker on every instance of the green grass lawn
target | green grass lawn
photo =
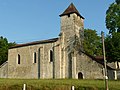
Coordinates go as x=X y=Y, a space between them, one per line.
x=62 y=84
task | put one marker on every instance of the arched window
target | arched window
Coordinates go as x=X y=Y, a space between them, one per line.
x=80 y=75
x=18 y=58
x=34 y=57
x=51 y=56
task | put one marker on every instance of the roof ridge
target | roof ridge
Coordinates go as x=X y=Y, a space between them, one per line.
x=35 y=42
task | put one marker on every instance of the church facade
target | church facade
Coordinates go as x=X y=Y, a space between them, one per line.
x=58 y=58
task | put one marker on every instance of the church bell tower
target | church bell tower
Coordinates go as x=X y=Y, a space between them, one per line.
x=71 y=24
x=71 y=27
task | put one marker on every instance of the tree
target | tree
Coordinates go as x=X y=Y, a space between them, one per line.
x=112 y=44
x=112 y=41
x=4 y=45
x=113 y=17
x=92 y=42
x=3 y=49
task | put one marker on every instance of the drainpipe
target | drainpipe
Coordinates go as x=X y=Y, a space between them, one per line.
x=39 y=63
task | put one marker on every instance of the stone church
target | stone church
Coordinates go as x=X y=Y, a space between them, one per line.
x=58 y=58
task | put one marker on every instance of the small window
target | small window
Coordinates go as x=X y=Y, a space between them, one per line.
x=34 y=57
x=51 y=56
x=68 y=15
x=18 y=59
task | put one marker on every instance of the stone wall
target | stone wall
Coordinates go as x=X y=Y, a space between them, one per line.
x=57 y=60
x=4 y=70
x=89 y=68
x=118 y=74
x=27 y=68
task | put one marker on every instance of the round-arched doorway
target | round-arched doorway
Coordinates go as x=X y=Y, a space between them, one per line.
x=80 y=75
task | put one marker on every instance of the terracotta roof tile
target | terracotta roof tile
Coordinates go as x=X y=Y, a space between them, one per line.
x=71 y=9
x=34 y=43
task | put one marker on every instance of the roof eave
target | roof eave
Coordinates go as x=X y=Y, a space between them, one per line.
x=35 y=43
x=71 y=13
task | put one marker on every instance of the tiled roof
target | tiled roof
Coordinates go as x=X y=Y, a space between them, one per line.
x=99 y=58
x=36 y=42
x=71 y=9
x=3 y=64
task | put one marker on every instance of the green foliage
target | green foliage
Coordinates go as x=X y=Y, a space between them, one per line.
x=112 y=41
x=113 y=17
x=112 y=44
x=118 y=1
x=92 y=42
x=4 y=45
x=3 y=49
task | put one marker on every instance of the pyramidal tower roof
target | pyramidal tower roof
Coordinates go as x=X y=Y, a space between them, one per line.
x=71 y=9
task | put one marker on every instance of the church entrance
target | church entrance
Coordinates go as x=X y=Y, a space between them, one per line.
x=80 y=75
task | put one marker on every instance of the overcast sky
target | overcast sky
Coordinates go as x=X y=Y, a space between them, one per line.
x=24 y=21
